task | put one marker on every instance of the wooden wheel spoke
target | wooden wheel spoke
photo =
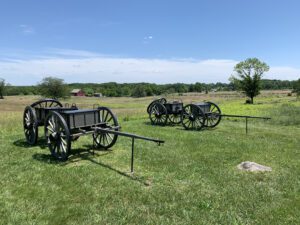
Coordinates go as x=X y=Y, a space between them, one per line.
x=110 y=118
x=110 y=136
x=105 y=119
x=102 y=139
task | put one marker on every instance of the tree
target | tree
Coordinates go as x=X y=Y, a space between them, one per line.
x=53 y=88
x=249 y=74
x=296 y=87
x=88 y=91
x=2 y=87
x=139 y=91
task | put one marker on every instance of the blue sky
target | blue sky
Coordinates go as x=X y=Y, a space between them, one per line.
x=152 y=41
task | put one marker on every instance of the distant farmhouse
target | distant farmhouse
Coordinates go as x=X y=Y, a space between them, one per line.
x=77 y=92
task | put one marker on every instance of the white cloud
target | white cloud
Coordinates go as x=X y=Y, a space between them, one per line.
x=97 y=68
x=26 y=29
x=283 y=73
x=147 y=39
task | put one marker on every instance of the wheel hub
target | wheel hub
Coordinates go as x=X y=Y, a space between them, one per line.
x=192 y=118
x=55 y=136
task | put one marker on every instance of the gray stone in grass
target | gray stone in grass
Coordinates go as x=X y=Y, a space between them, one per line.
x=253 y=167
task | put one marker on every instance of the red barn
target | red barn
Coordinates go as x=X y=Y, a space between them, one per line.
x=77 y=92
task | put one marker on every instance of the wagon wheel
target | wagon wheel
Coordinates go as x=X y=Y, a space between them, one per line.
x=158 y=114
x=30 y=125
x=192 y=117
x=150 y=105
x=213 y=118
x=48 y=102
x=175 y=118
x=58 y=136
x=102 y=139
x=162 y=100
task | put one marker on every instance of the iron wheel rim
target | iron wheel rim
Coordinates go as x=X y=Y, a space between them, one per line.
x=158 y=114
x=192 y=117
x=30 y=125
x=214 y=116
x=102 y=139
x=57 y=135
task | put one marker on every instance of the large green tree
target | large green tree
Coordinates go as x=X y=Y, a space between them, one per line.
x=53 y=88
x=2 y=87
x=248 y=76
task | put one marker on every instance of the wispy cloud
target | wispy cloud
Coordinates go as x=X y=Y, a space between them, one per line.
x=71 y=53
x=26 y=29
x=84 y=66
x=147 y=39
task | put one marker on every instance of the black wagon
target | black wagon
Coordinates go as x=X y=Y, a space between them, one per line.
x=162 y=112
x=35 y=115
x=62 y=125
x=199 y=115
x=195 y=116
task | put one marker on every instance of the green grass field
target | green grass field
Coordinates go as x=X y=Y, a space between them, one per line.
x=191 y=179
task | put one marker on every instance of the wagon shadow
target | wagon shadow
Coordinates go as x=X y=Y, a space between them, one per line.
x=22 y=143
x=166 y=125
x=141 y=180
x=46 y=158
x=88 y=154
x=75 y=156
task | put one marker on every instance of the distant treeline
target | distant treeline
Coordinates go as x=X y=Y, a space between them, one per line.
x=113 y=89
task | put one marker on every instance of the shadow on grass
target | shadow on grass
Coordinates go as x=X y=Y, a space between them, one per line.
x=88 y=154
x=46 y=158
x=166 y=125
x=139 y=179
x=23 y=143
x=204 y=129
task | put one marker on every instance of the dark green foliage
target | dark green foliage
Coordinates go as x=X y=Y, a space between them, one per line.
x=276 y=84
x=296 y=87
x=139 y=91
x=53 y=88
x=2 y=87
x=249 y=74
x=88 y=91
x=113 y=89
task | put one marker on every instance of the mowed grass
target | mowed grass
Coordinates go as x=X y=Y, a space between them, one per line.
x=191 y=179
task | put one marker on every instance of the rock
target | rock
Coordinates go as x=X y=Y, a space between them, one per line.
x=253 y=167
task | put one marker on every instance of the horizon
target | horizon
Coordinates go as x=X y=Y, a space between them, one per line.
x=152 y=42
x=87 y=83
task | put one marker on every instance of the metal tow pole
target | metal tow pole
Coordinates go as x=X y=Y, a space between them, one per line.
x=246 y=125
x=132 y=136
x=132 y=155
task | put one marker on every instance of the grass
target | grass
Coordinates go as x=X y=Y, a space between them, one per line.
x=191 y=179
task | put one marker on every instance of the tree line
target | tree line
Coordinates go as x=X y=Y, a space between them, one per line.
x=247 y=78
x=113 y=89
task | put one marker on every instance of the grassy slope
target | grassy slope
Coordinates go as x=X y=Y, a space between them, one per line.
x=191 y=179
